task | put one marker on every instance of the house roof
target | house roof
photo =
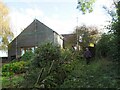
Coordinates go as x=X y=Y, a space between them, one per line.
x=37 y=21
x=67 y=36
x=34 y=25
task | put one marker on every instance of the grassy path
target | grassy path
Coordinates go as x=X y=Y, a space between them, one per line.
x=7 y=83
x=99 y=74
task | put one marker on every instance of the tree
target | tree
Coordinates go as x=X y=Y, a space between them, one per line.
x=116 y=29
x=87 y=35
x=106 y=46
x=114 y=26
x=84 y=36
x=5 y=32
x=85 y=5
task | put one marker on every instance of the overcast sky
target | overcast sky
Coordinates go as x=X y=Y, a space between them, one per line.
x=59 y=15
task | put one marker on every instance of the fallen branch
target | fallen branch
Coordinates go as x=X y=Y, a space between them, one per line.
x=39 y=76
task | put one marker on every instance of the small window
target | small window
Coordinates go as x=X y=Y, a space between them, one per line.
x=33 y=49
x=22 y=51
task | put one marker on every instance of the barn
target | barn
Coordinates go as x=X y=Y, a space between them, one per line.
x=35 y=34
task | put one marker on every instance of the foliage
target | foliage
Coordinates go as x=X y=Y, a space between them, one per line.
x=66 y=55
x=85 y=5
x=46 y=64
x=53 y=67
x=13 y=83
x=99 y=74
x=69 y=67
x=70 y=74
x=5 y=32
x=84 y=35
x=68 y=70
x=87 y=35
x=43 y=78
x=46 y=53
x=106 y=46
x=116 y=28
x=27 y=56
x=14 y=67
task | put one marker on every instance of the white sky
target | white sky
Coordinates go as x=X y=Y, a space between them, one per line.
x=59 y=15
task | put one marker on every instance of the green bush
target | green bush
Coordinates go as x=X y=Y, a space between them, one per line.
x=106 y=46
x=45 y=54
x=27 y=56
x=11 y=81
x=66 y=56
x=14 y=67
x=7 y=74
x=51 y=67
x=47 y=66
x=68 y=67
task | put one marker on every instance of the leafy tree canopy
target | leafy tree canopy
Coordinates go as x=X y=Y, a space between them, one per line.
x=87 y=35
x=85 y=5
x=5 y=32
x=84 y=35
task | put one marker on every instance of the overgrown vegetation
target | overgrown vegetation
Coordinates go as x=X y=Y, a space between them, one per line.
x=14 y=68
x=47 y=64
x=116 y=30
x=12 y=73
x=12 y=81
x=27 y=56
x=99 y=74
x=106 y=46
x=51 y=67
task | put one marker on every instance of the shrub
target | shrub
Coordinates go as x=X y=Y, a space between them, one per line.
x=14 y=67
x=66 y=56
x=45 y=54
x=7 y=74
x=27 y=56
x=69 y=66
x=106 y=46
x=48 y=71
